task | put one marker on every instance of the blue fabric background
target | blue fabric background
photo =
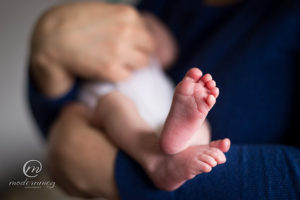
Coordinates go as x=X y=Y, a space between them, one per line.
x=253 y=51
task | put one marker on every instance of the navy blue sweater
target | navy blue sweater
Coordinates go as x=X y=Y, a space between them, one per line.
x=253 y=51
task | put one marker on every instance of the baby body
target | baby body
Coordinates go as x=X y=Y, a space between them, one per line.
x=141 y=107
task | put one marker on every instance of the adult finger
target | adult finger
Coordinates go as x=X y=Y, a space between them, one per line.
x=143 y=40
x=136 y=59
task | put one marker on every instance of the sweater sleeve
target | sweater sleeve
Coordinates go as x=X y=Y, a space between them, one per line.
x=251 y=172
x=44 y=109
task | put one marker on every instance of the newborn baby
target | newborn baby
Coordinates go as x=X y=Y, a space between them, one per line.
x=143 y=106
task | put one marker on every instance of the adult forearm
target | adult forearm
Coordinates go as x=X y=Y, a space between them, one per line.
x=80 y=157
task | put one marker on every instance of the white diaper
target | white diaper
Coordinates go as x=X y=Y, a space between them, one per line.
x=149 y=88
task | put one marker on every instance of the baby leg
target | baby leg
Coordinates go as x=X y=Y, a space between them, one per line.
x=118 y=115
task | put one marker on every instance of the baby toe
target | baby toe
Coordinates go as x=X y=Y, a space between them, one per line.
x=204 y=167
x=208 y=160
x=223 y=144
x=210 y=100
x=206 y=78
x=194 y=74
x=210 y=84
x=215 y=91
x=217 y=154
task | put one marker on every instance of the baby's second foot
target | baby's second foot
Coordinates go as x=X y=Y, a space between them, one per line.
x=193 y=98
x=170 y=171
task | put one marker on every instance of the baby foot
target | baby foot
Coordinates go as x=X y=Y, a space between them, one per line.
x=170 y=171
x=193 y=98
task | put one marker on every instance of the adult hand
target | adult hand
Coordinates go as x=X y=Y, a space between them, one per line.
x=91 y=40
x=80 y=158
